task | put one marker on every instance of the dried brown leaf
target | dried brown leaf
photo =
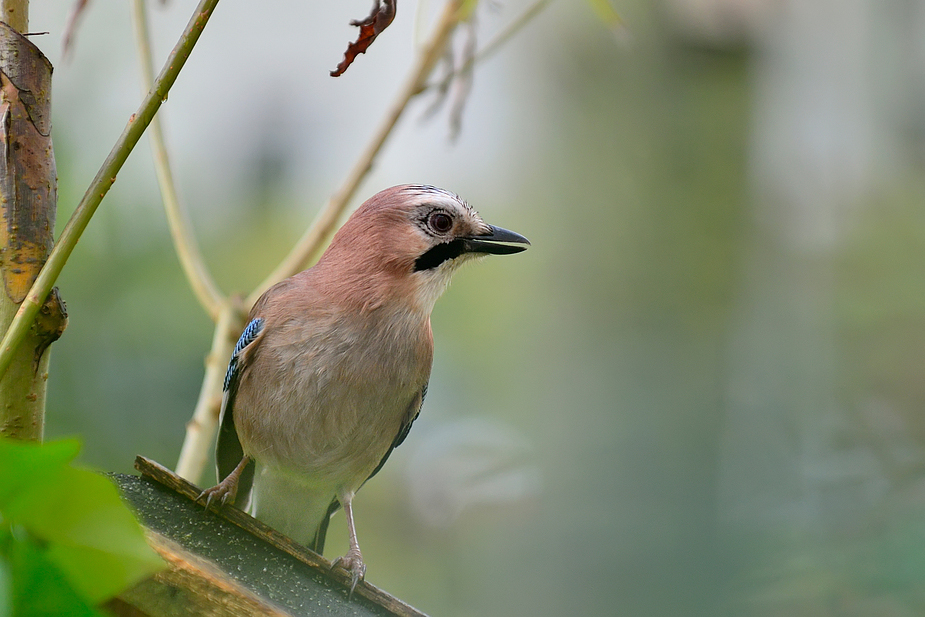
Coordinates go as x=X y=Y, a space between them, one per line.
x=378 y=20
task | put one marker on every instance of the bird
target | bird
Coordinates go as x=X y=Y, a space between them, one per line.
x=333 y=365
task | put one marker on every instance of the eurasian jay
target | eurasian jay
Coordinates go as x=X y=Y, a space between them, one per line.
x=332 y=367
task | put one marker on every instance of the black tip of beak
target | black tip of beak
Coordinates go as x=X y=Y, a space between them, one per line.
x=489 y=243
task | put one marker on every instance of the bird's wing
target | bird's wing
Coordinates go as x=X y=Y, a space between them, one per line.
x=414 y=409
x=228 y=450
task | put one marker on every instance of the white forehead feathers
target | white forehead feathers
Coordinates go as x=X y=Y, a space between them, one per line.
x=439 y=196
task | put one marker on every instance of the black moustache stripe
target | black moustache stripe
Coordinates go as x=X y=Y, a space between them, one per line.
x=440 y=253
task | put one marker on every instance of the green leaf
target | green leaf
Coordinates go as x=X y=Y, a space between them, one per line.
x=87 y=532
x=606 y=13
x=22 y=464
x=6 y=601
x=40 y=588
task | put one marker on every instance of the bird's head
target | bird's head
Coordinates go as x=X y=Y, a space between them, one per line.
x=408 y=240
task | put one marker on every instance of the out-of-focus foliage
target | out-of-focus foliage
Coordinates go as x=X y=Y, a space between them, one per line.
x=67 y=541
x=606 y=13
x=713 y=350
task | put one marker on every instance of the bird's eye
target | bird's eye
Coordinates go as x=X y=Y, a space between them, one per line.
x=440 y=222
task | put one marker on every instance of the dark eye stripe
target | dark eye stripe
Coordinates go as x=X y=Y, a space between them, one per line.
x=440 y=253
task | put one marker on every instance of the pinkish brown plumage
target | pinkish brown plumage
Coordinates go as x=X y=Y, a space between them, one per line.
x=332 y=369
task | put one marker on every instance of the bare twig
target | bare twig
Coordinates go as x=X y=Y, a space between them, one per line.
x=513 y=28
x=494 y=44
x=200 y=430
x=311 y=241
x=104 y=179
x=70 y=29
x=191 y=260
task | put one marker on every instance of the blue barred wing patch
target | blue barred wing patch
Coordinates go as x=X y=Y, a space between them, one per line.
x=251 y=332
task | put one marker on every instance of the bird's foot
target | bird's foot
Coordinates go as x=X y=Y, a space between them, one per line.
x=224 y=492
x=352 y=564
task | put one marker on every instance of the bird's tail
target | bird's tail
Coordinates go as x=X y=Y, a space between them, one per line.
x=317 y=544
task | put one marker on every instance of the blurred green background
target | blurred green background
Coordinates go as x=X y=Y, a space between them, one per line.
x=700 y=392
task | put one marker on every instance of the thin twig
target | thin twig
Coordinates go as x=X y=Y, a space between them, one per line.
x=70 y=28
x=184 y=242
x=200 y=430
x=311 y=241
x=495 y=43
x=104 y=179
x=513 y=28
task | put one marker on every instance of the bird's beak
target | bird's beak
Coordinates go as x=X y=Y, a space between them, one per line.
x=492 y=242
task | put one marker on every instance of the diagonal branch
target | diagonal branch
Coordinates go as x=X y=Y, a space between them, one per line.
x=312 y=240
x=505 y=35
x=104 y=179
x=191 y=260
x=200 y=430
x=499 y=40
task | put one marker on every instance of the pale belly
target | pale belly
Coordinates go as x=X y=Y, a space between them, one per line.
x=331 y=432
x=328 y=397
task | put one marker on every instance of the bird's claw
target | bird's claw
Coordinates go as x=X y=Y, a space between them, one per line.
x=352 y=564
x=225 y=491
x=222 y=493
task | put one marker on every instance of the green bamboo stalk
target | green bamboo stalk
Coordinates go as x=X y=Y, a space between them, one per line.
x=104 y=179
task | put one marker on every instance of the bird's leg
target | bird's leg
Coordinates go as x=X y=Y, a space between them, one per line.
x=227 y=490
x=352 y=562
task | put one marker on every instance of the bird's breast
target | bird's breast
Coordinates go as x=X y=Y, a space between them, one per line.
x=341 y=391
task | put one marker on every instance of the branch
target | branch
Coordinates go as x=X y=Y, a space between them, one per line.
x=513 y=28
x=311 y=241
x=200 y=430
x=494 y=44
x=104 y=179
x=28 y=204
x=184 y=242
x=15 y=14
